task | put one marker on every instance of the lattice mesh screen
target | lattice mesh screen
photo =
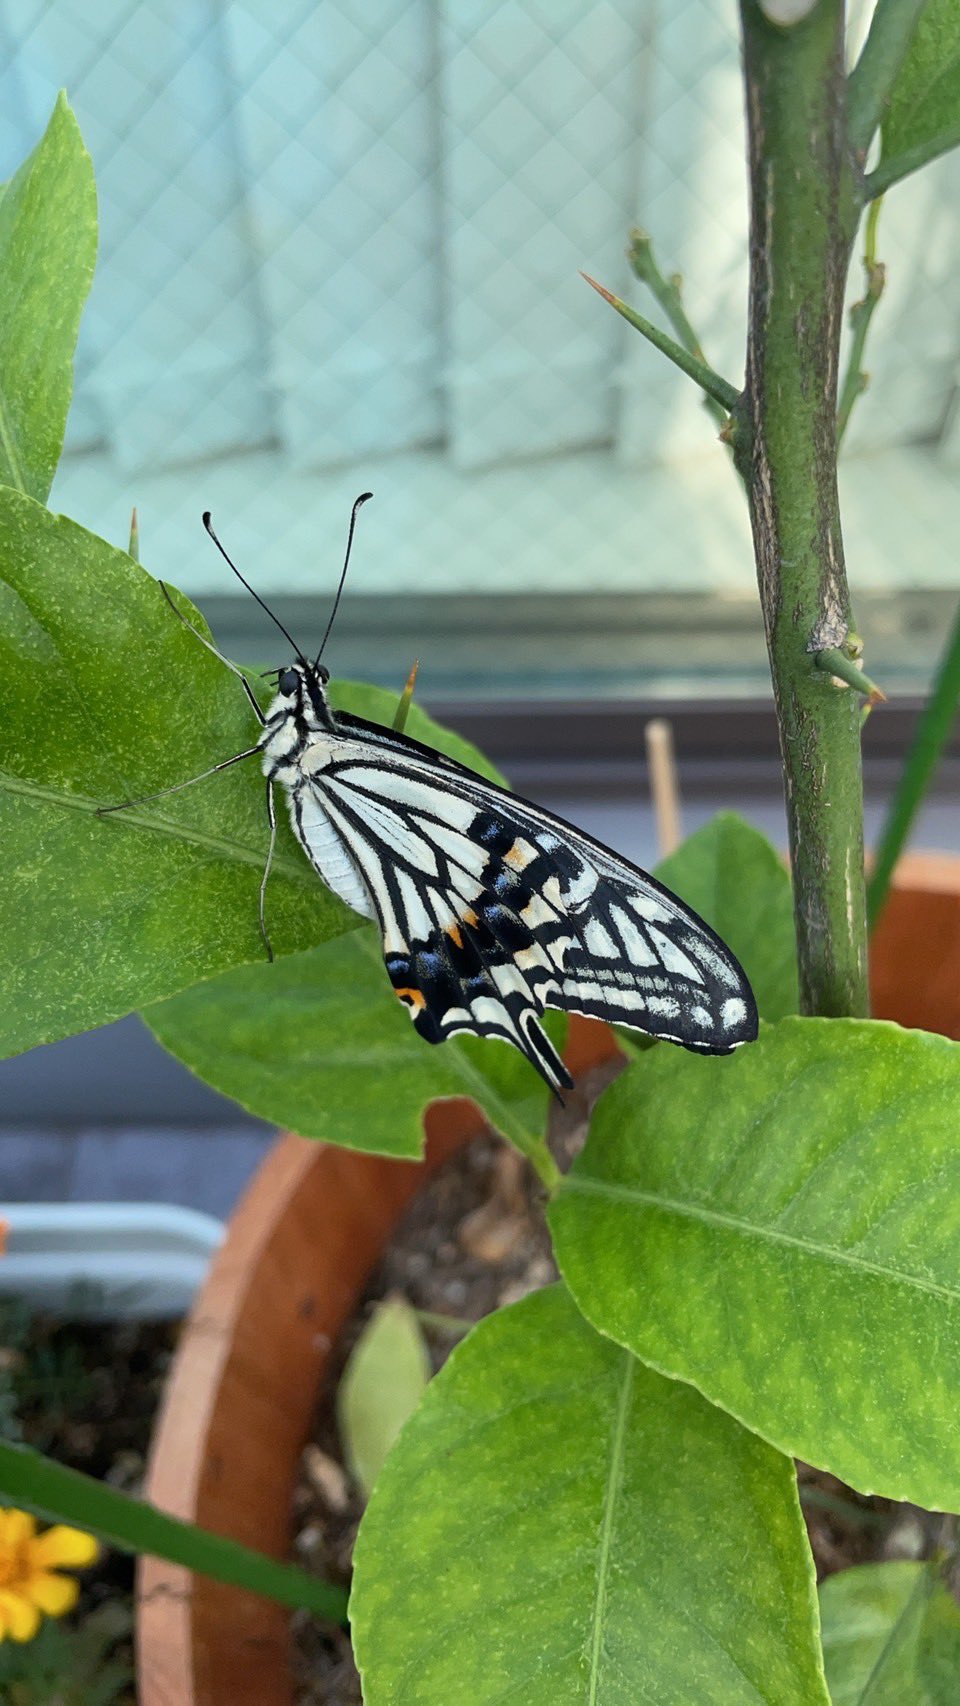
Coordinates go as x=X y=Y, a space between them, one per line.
x=340 y=245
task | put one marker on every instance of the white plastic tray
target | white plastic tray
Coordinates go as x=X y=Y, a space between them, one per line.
x=104 y=1261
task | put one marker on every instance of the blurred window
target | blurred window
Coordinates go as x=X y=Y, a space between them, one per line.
x=340 y=249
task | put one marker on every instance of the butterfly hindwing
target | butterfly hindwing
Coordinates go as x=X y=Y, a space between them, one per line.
x=493 y=910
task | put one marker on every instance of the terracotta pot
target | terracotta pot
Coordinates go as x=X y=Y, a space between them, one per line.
x=915 y=960
x=241 y=1395
x=298 y=1253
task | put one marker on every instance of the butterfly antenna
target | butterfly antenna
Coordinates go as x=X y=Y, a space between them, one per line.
x=362 y=499
x=208 y=524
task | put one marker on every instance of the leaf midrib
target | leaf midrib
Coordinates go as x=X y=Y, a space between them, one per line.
x=618 y=1445
x=735 y=1223
x=8 y=443
x=155 y=822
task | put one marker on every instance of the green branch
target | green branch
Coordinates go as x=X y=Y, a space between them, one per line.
x=804 y=209
x=57 y=1494
x=856 y=380
x=696 y=369
x=667 y=292
x=933 y=732
x=871 y=81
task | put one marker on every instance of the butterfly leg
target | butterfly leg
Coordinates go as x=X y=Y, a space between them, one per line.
x=144 y=799
x=272 y=816
x=248 y=690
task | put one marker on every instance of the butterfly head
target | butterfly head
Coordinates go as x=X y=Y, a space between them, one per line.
x=301 y=692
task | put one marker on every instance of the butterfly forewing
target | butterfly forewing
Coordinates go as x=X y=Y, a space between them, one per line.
x=493 y=910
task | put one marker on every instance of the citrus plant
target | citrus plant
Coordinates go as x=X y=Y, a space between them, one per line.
x=595 y=1500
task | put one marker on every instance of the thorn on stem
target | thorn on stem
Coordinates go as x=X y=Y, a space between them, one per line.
x=843 y=669
x=601 y=290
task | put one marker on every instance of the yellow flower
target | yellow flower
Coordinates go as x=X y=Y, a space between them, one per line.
x=29 y=1583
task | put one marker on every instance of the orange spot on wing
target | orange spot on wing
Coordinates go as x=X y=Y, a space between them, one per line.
x=453 y=931
x=412 y=997
x=519 y=856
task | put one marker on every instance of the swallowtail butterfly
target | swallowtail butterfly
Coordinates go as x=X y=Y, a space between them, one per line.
x=490 y=908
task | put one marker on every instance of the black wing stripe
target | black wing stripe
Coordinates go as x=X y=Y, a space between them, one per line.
x=466 y=985
x=510 y=910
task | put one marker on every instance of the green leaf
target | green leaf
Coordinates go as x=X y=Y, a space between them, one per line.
x=320 y=1045
x=891 y=1636
x=938 y=1644
x=859 y=1611
x=48 y=246
x=922 y=119
x=729 y=873
x=104 y=696
x=48 y=1489
x=379 y=705
x=559 y=1524
x=780 y=1228
x=386 y=1375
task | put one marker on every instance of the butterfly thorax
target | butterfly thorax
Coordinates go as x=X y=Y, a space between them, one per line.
x=296 y=739
x=299 y=741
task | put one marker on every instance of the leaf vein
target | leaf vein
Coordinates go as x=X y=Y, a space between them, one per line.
x=614 y=1483
x=734 y=1223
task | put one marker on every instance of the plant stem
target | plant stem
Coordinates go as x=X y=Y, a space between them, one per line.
x=712 y=383
x=933 y=732
x=804 y=212
x=667 y=292
x=872 y=78
x=856 y=380
x=59 y=1494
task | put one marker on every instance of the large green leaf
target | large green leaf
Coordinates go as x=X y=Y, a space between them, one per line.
x=891 y=1636
x=782 y=1229
x=922 y=118
x=559 y=1524
x=48 y=246
x=104 y=696
x=320 y=1045
x=729 y=873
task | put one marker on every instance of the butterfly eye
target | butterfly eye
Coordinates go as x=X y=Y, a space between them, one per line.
x=288 y=681
x=323 y=674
